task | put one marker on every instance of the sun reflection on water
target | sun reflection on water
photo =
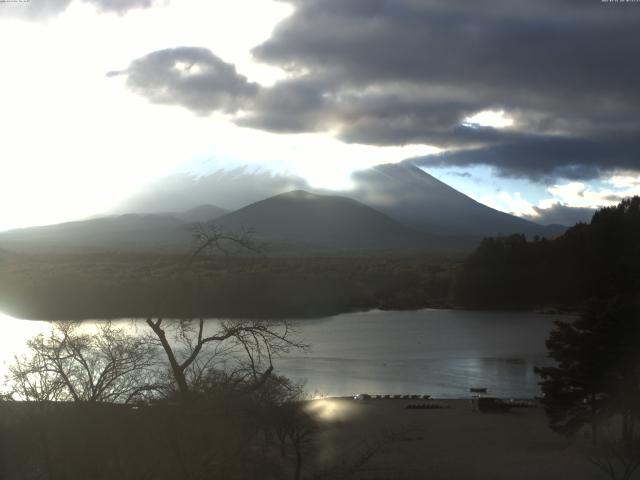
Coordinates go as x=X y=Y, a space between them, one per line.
x=331 y=409
x=13 y=341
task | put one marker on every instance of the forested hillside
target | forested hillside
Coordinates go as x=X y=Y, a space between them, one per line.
x=599 y=259
x=135 y=285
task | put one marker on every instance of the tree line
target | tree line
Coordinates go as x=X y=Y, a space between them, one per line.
x=600 y=259
x=112 y=285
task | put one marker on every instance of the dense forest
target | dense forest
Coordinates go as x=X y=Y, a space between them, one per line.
x=48 y=286
x=596 y=260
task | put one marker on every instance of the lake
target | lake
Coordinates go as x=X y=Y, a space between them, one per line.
x=438 y=352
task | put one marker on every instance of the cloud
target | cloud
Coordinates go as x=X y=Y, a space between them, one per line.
x=549 y=65
x=577 y=201
x=189 y=76
x=511 y=203
x=559 y=214
x=232 y=188
x=538 y=50
x=579 y=194
x=542 y=157
x=395 y=116
x=45 y=9
x=33 y=10
x=120 y=6
x=626 y=181
x=390 y=73
x=289 y=107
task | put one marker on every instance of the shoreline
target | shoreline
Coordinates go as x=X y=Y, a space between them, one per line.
x=450 y=443
x=98 y=318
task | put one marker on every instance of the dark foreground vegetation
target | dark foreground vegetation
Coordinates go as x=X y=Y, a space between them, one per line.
x=593 y=389
x=49 y=286
x=226 y=435
x=178 y=401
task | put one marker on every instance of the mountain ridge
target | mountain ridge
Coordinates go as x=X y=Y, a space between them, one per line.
x=320 y=220
x=402 y=191
x=391 y=207
x=418 y=199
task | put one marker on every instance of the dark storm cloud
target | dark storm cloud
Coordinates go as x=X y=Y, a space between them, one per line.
x=491 y=45
x=395 y=116
x=546 y=157
x=191 y=77
x=291 y=106
x=564 y=70
x=561 y=215
x=45 y=9
x=394 y=72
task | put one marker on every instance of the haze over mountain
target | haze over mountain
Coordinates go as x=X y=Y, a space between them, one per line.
x=392 y=206
x=227 y=189
x=296 y=221
x=412 y=196
x=403 y=191
x=201 y=213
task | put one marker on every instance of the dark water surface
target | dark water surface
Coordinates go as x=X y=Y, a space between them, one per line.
x=438 y=352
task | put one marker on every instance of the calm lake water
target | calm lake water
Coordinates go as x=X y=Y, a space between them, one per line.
x=438 y=352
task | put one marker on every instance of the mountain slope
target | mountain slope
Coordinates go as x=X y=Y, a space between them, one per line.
x=130 y=232
x=420 y=201
x=298 y=220
x=201 y=213
x=396 y=206
x=402 y=191
x=321 y=220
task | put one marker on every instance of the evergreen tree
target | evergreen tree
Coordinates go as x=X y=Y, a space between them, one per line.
x=597 y=374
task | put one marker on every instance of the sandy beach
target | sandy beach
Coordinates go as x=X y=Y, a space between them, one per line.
x=448 y=443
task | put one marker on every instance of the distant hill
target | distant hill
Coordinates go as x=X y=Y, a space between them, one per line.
x=296 y=222
x=395 y=206
x=201 y=213
x=420 y=201
x=127 y=232
x=402 y=191
x=325 y=221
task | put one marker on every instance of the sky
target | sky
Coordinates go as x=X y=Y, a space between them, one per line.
x=528 y=107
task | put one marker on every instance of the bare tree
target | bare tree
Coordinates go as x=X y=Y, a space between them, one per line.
x=296 y=425
x=618 y=458
x=210 y=239
x=69 y=365
x=245 y=348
